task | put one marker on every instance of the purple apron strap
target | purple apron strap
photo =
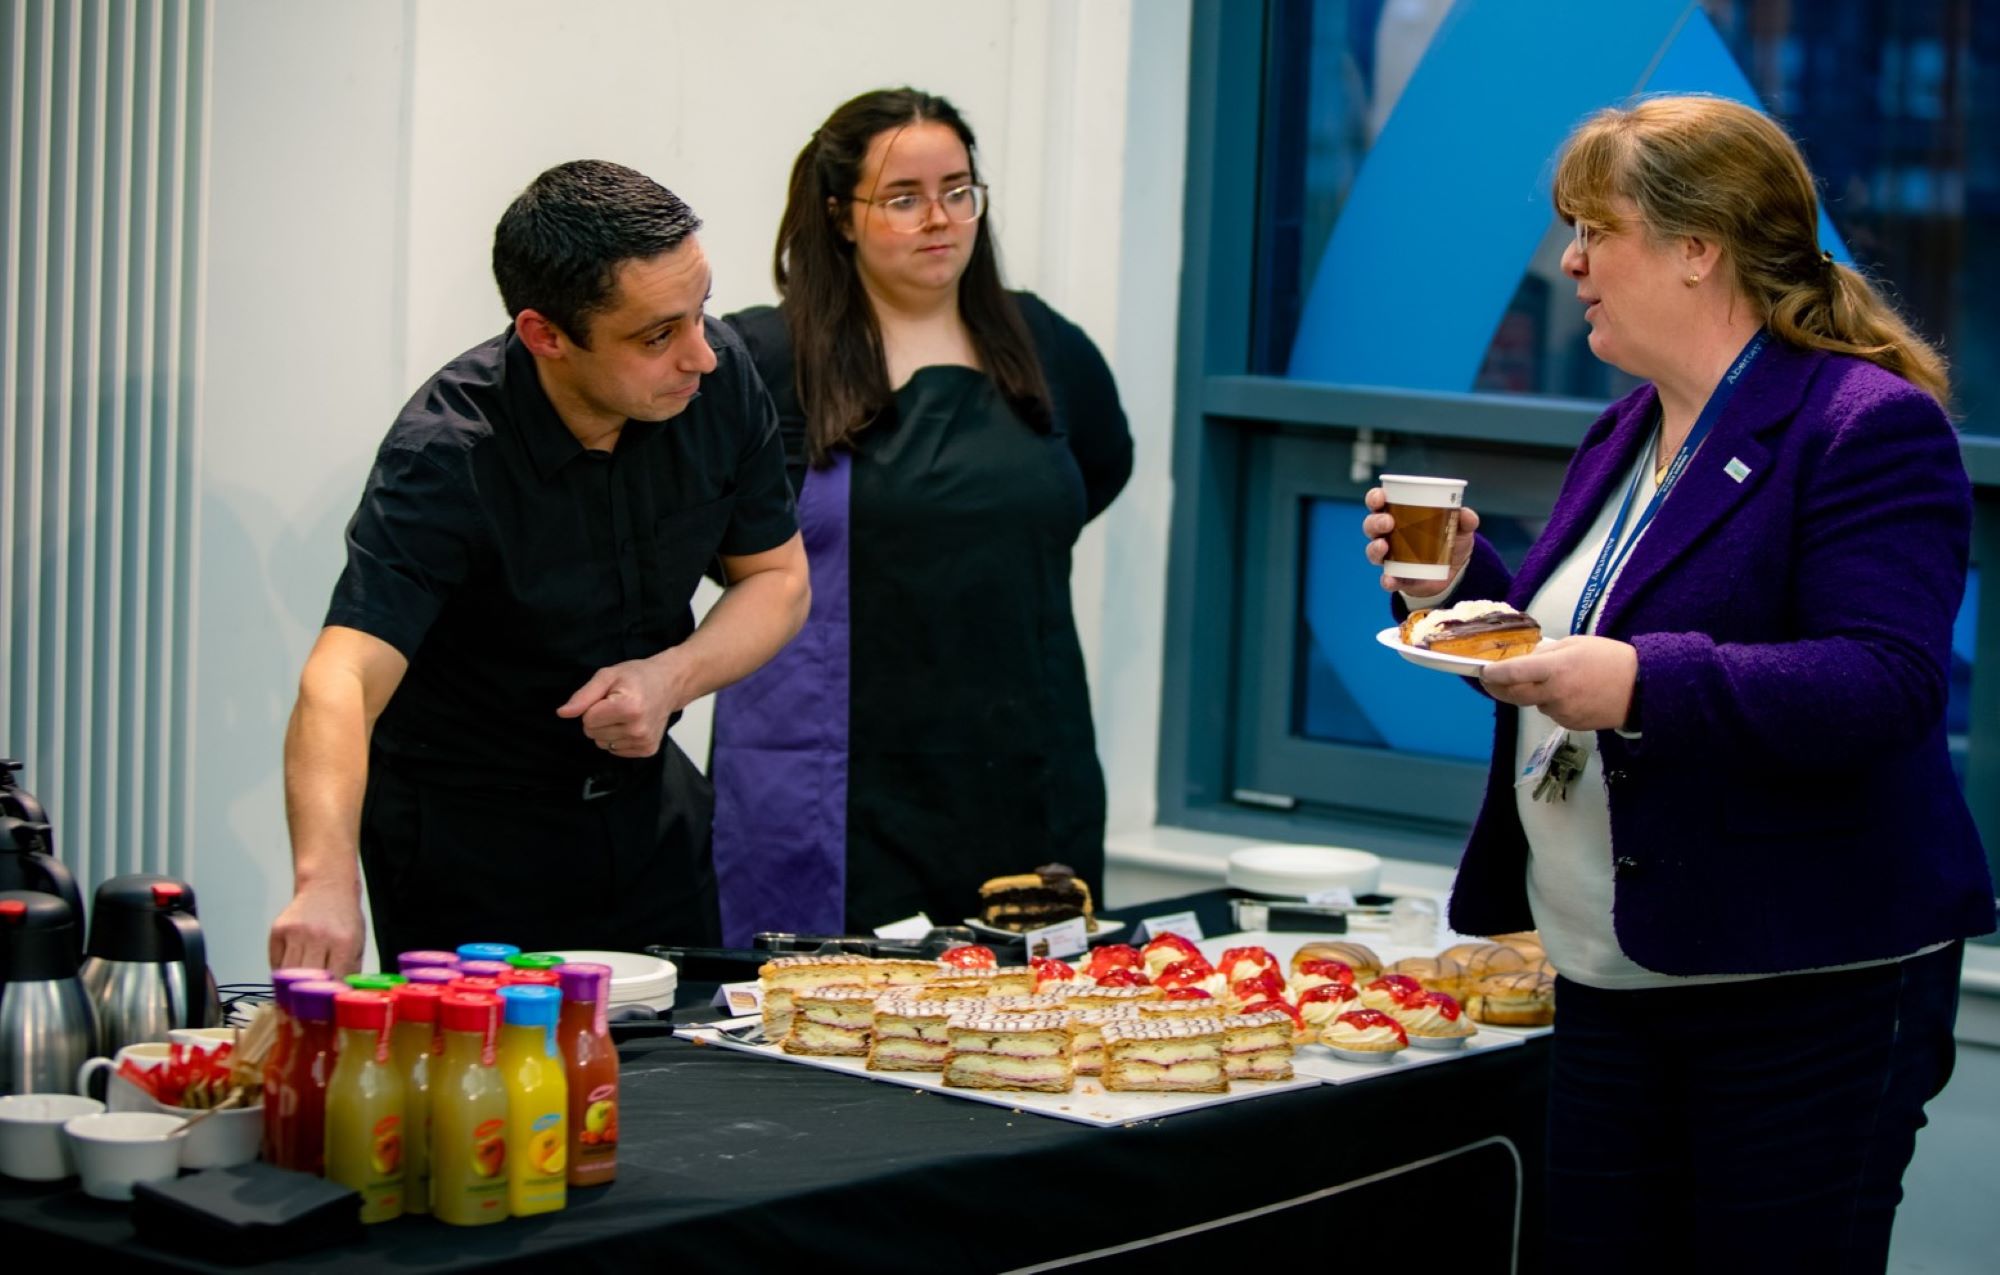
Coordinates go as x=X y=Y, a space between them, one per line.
x=779 y=763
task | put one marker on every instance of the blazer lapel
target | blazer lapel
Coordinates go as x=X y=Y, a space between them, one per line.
x=1594 y=472
x=1731 y=464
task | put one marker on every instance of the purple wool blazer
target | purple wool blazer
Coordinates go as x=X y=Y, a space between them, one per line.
x=1789 y=803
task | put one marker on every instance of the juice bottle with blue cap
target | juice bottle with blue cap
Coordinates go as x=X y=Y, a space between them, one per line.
x=487 y=951
x=537 y=1101
x=469 y=1151
x=365 y=1107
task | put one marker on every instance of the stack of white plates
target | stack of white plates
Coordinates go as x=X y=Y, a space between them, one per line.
x=1296 y=872
x=636 y=978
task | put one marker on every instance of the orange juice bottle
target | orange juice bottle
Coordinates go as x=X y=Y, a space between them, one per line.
x=590 y=1063
x=415 y=1040
x=364 y=1107
x=282 y=1044
x=537 y=1101
x=469 y=1114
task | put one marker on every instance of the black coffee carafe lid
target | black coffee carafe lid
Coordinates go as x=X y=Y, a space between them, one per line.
x=16 y=800
x=37 y=937
x=133 y=918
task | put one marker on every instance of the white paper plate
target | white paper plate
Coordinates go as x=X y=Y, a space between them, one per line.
x=1457 y=665
x=636 y=978
x=1298 y=871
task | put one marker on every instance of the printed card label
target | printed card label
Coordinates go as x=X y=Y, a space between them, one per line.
x=740 y=998
x=1065 y=938
x=1181 y=923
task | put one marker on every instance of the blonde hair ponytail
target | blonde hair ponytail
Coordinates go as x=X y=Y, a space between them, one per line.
x=1715 y=169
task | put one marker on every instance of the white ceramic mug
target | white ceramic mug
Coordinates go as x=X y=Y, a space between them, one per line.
x=33 y=1146
x=202 y=1037
x=230 y=1137
x=121 y=1094
x=116 y=1150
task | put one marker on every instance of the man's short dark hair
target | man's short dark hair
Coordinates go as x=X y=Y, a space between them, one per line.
x=558 y=246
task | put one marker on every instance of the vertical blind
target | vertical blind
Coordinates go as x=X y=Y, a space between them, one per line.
x=100 y=301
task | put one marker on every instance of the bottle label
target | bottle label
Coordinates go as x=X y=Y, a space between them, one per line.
x=548 y=1152
x=489 y=1150
x=385 y=1154
x=600 y=1118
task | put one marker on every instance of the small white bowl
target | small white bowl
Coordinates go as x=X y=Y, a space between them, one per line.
x=117 y=1150
x=33 y=1146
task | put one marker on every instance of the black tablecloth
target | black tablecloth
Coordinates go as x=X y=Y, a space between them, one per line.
x=730 y=1161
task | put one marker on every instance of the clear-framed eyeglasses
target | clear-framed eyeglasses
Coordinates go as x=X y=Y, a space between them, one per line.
x=907 y=213
x=1585 y=236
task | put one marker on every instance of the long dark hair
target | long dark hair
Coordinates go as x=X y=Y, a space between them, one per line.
x=843 y=380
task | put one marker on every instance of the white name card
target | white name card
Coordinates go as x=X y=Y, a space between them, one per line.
x=1064 y=938
x=1181 y=923
x=740 y=998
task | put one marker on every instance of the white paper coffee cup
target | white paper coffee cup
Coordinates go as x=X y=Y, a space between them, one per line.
x=1426 y=514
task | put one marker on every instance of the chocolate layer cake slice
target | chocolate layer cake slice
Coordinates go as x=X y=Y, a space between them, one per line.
x=1049 y=894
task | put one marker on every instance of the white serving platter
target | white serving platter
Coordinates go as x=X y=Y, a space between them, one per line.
x=1088 y=1103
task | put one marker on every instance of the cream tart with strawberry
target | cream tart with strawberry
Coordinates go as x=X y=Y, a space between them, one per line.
x=1167 y=949
x=1364 y=1035
x=1434 y=1020
x=1390 y=991
x=1321 y=1005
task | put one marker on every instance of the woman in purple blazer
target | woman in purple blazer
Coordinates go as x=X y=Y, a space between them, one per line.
x=1722 y=792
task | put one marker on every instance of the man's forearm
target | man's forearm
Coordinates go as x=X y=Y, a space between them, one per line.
x=748 y=625
x=326 y=772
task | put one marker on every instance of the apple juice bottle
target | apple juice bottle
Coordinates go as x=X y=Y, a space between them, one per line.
x=469 y=1114
x=590 y=1065
x=415 y=1041
x=537 y=1101
x=364 y=1107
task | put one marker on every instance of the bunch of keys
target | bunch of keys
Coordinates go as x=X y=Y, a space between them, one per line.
x=1564 y=766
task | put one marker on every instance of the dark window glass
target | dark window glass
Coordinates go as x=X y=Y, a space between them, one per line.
x=1887 y=98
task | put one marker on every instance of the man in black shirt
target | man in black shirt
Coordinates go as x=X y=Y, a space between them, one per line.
x=481 y=725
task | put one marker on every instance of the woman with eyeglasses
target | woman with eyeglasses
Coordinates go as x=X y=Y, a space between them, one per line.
x=1721 y=787
x=949 y=439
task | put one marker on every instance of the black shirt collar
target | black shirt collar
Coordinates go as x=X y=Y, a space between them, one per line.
x=549 y=442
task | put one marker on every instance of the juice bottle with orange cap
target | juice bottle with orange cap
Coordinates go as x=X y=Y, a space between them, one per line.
x=537 y=1101
x=365 y=1107
x=414 y=1043
x=590 y=1063
x=469 y=1150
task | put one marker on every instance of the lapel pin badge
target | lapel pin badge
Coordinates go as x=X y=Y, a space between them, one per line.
x=1736 y=469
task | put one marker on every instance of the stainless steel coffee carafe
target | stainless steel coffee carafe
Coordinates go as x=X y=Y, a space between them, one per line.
x=28 y=849
x=47 y=1025
x=147 y=964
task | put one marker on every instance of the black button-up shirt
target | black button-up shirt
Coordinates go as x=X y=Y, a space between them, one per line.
x=508 y=563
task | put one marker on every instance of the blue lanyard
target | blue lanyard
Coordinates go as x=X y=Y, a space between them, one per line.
x=1612 y=556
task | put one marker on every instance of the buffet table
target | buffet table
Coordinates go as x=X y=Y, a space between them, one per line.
x=736 y=1162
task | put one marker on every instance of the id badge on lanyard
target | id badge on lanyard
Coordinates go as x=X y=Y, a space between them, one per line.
x=1558 y=761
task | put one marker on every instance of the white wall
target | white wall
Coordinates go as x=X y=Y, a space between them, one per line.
x=361 y=154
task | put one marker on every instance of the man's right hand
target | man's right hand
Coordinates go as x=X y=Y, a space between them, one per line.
x=320 y=928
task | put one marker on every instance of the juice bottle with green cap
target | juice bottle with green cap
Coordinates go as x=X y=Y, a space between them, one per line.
x=537 y=1101
x=469 y=1150
x=375 y=982
x=535 y=960
x=365 y=1133
x=415 y=1042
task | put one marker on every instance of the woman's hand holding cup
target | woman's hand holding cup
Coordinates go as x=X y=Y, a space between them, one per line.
x=1380 y=524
